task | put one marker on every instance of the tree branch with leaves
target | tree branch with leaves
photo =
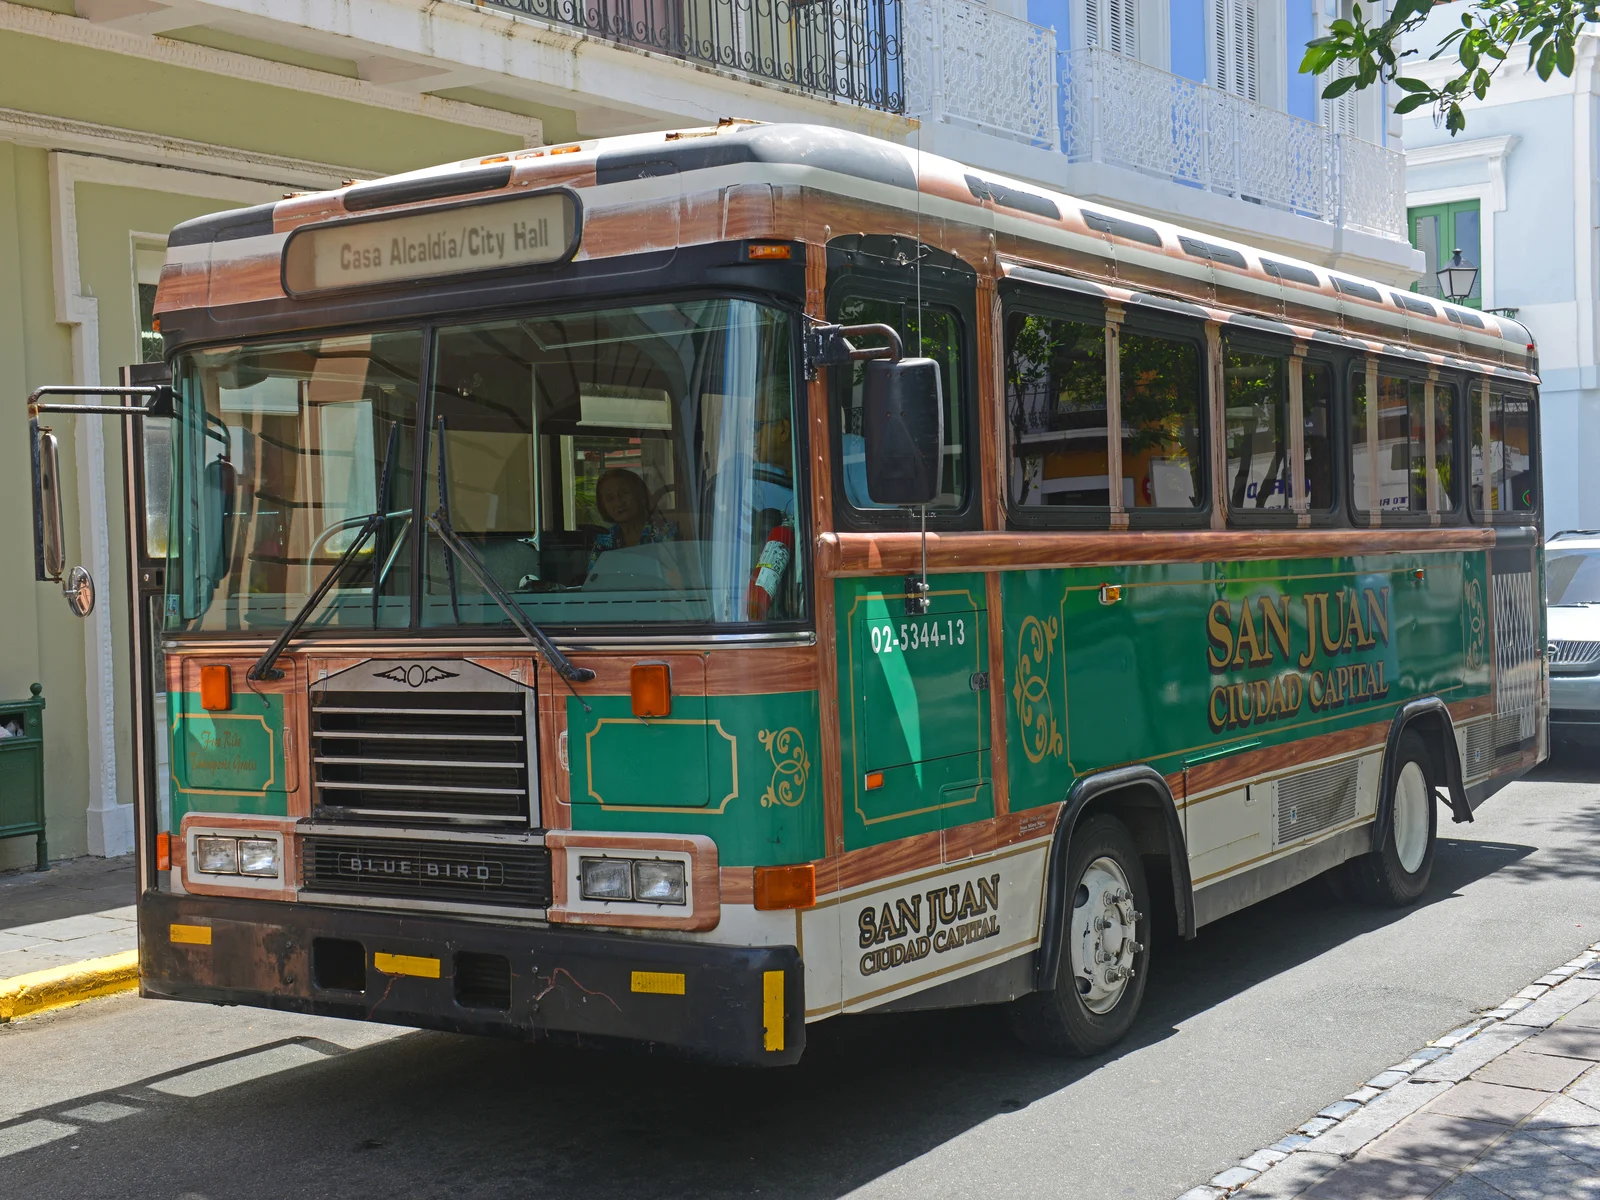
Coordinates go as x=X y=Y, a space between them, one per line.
x=1489 y=32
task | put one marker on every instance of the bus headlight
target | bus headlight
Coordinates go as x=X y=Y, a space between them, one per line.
x=660 y=881
x=259 y=856
x=642 y=880
x=606 y=878
x=217 y=855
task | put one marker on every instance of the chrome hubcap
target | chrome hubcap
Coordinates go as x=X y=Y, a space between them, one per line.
x=1411 y=817
x=1104 y=922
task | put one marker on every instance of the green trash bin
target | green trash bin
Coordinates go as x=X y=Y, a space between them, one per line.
x=22 y=770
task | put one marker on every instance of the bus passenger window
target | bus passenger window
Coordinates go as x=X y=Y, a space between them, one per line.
x=1162 y=460
x=1056 y=412
x=1398 y=469
x=1510 y=442
x=1444 y=446
x=1316 y=405
x=936 y=336
x=1256 y=412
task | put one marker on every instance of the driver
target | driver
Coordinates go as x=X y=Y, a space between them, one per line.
x=624 y=503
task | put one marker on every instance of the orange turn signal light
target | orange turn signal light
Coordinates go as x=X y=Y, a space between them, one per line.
x=163 y=852
x=874 y=780
x=786 y=887
x=216 y=688
x=771 y=250
x=650 y=687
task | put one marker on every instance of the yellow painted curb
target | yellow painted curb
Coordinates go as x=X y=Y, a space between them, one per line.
x=22 y=995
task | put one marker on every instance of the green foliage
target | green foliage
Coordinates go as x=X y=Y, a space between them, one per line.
x=1489 y=31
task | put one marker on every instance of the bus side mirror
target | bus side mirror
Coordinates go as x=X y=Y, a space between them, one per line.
x=903 y=431
x=221 y=483
x=49 y=544
x=49 y=540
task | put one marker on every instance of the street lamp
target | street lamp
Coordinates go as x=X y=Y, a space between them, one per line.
x=1456 y=278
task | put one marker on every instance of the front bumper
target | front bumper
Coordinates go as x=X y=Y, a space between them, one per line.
x=720 y=1003
x=1575 y=708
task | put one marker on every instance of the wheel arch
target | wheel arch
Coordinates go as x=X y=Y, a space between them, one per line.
x=1429 y=717
x=1141 y=799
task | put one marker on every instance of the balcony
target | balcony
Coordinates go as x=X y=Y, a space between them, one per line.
x=844 y=50
x=1119 y=111
x=971 y=67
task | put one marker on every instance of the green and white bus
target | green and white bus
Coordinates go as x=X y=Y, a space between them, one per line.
x=679 y=587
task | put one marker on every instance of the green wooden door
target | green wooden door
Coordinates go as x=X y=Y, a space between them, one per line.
x=1440 y=229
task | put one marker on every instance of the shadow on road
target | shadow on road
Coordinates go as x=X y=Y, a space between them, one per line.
x=438 y=1115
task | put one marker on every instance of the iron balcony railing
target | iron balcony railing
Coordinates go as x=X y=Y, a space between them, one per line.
x=1120 y=111
x=846 y=50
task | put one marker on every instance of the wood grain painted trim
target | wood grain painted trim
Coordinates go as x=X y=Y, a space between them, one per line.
x=855 y=554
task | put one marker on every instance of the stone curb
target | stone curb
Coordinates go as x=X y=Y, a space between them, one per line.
x=57 y=987
x=1317 y=1138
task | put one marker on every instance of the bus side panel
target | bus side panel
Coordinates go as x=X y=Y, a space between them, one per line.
x=1229 y=677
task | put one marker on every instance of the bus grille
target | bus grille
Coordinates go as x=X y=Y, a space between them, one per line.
x=423 y=869
x=1316 y=800
x=427 y=757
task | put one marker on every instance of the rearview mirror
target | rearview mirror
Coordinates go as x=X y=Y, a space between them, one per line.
x=49 y=546
x=903 y=430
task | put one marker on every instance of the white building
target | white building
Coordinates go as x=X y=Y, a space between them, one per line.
x=1516 y=194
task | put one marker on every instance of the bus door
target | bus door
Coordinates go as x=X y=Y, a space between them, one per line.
x=147 y=476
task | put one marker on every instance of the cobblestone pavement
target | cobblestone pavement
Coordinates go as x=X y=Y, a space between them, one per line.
x=1508 y=1106
x=79 y=909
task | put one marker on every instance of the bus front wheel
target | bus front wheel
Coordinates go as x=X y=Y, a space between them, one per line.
x=1396 y=872
x=1104 y=963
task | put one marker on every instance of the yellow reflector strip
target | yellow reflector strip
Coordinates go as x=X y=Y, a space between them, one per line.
x=191 y=935
x=772 y=1009
x=658 y=983
x=406 y=964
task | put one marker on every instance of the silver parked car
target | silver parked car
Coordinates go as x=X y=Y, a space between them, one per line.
x=1572 y=592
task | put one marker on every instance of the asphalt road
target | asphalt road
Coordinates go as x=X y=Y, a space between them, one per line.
x=1266 y=1017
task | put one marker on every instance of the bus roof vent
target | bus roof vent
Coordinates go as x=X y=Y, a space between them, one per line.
x=434 y=187
x=1200 y=248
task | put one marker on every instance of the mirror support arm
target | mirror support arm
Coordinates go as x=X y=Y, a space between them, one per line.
x=829 y=346
x=159 y=400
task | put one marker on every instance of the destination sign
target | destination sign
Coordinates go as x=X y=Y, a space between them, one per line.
x=524 y=231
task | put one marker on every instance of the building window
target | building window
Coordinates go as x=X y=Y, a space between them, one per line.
x=1112 y=24
x=147 y=259
x=1235 y=47
x=1440 y=229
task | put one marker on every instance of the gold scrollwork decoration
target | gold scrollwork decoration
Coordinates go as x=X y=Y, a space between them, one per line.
x=791 y=766
x=1036 y=644
x=1477 y=651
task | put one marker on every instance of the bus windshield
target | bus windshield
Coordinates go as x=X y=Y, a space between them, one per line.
x=606 y=467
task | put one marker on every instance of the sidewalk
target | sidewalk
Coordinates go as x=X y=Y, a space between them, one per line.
x=1507 y=1106
x=52 y=921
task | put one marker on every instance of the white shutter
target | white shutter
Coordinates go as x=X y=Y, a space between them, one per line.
x=1112 y=24
x=1235 y=47
x=1339 y=114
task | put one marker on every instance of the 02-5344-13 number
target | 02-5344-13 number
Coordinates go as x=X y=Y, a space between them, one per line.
x=919 y=635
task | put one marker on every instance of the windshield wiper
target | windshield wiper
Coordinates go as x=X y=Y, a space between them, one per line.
x=263 y=668
x=440 y=524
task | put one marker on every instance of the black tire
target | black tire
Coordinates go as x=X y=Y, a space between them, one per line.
x=1061 y=1021
x=1381 y=876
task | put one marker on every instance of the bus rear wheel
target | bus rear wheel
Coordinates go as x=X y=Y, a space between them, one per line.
x=1396 y=873
x=1104 y=965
